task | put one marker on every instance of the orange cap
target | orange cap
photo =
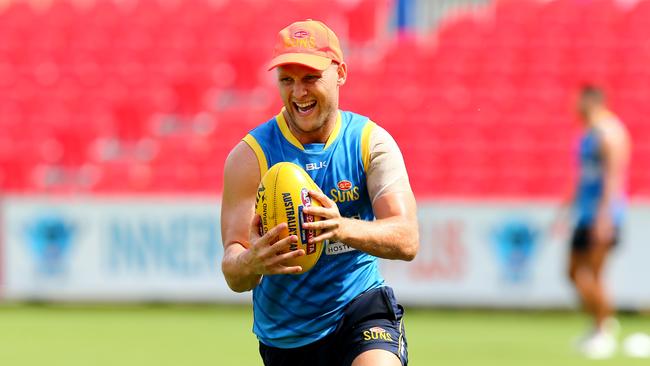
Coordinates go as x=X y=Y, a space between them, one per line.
x=310 y=43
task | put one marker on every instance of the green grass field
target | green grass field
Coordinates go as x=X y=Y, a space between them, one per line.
x=220 y=335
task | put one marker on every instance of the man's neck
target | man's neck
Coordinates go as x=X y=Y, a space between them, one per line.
x=600 y=116
x=315 y=137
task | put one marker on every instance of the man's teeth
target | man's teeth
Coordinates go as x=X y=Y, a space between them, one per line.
x=305 y=105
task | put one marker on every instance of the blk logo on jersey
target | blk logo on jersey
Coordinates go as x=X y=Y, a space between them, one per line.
x=315 y=166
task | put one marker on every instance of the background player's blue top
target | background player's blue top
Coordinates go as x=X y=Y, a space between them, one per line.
x=295 y=310
x=590 y=184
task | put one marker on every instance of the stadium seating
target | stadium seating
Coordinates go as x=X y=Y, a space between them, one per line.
x=149 y=96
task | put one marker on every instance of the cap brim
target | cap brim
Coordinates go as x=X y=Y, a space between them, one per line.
x=315 y=62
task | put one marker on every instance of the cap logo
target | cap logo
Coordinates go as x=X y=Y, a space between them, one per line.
x=304 y=41
x=309 y=43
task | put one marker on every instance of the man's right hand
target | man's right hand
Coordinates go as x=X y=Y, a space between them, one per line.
x=247 y=255
x=266 y=254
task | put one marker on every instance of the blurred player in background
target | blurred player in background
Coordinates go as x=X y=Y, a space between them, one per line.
x=598 y=202
x=340 y=312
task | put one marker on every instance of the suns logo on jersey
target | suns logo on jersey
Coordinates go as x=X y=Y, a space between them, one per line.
x=377 y=333
x=344 y=192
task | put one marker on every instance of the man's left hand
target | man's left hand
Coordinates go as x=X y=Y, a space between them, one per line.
x=331 y=224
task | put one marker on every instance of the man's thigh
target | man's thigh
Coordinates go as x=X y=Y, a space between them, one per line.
x=373 y=329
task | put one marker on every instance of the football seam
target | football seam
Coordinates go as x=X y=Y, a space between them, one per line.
x=275 y=188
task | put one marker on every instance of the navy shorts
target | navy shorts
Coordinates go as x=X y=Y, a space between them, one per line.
x=581 y=240
x=373 y=320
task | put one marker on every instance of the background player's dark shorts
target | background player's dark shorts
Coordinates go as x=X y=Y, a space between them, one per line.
x=371 y=321
x=581 y=240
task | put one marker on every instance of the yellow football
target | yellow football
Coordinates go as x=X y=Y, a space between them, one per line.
x=281 y=197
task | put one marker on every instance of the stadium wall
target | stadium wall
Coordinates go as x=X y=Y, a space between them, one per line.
x=482 y=253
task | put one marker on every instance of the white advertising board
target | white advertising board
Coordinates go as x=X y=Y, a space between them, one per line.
x=169 y=249
x=113 y=249
x=504 y=255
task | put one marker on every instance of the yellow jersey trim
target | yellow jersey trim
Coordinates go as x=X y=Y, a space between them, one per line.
x=257 y=149
x=284 y=128
x=365 y=144
x=335 y=132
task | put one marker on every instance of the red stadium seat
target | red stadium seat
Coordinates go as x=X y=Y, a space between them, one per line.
x=481 y=106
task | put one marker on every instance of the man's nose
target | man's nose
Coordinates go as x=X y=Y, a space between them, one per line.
x=299 y=89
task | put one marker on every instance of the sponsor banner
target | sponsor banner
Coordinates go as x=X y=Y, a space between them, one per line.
x=113 y=249
x=504 y=255
x=144 y=249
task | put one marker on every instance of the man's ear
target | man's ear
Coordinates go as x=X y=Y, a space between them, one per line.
x=342 y=71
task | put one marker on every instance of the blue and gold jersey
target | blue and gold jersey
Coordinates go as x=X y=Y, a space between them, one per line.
x=295 y=310
x=591 y=182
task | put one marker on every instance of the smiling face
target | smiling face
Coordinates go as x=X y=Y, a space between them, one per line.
x=311 y=99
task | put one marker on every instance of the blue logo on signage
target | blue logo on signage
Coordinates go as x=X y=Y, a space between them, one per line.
x=50 y=238
x=515 y=241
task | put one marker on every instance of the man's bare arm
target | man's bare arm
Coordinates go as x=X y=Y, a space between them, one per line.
x=247 y=255
x=615 y=155
x=394 y=233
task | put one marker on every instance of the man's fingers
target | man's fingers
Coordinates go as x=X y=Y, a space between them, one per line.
x=323 y=236
x=320 y=225
x=283 y=244
x=275 y=265
x=287 y=270
x=286 y=256
x=271 y=236
x=319 y=212
x=323 y=199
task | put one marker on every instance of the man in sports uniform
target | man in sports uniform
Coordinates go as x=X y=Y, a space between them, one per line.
x=340 y=312
x=598 y=204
